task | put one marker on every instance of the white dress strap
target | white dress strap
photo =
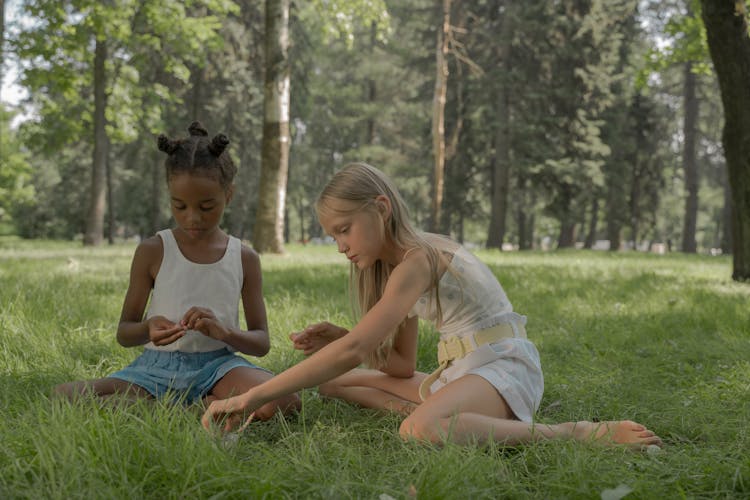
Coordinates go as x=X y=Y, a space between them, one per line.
x=408 y=252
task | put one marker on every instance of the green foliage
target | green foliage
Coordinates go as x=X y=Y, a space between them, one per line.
x=659 y=339
x=341 y=19
x=150 y=44
x=683 y=39
x=361 y=89
x=15 y=170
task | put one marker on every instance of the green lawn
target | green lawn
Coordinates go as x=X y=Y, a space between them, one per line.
x=664 y=340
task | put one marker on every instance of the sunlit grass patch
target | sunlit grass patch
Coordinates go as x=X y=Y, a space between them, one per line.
x=659 y=339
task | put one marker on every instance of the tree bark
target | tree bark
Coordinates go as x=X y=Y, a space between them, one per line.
x=635 y=199
x=591 y=236
x=726 y=215
x=371 y=90
x=501 y=158
x=567 y=218
x=729 y=44
x=268 y=235
x=111 y=224
x=2 y=38
x=157 y=180
x=438 y=114
x=689 y=162
x=95 y=215
x=524 y=216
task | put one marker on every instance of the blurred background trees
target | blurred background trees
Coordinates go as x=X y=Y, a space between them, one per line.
x=588 y=123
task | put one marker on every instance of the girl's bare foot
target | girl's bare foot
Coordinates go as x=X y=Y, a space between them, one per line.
x=626 y=432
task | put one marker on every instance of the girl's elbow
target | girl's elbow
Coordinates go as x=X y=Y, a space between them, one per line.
x=265 y=349
x=258 y=350
x=123 y=339
x=354 y=353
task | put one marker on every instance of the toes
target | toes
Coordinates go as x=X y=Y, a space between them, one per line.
x=634 y=426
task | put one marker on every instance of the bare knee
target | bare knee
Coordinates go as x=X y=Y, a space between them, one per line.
x=421 y=429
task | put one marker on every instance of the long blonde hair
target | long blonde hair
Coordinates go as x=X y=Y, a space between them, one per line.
x=359 y=184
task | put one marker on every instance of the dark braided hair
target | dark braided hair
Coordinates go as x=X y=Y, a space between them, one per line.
x=197 y=154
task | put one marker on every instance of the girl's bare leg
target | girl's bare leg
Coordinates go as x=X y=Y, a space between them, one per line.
x=470 y=409
x=375 y=389
x=241 y=379
x=103 y=388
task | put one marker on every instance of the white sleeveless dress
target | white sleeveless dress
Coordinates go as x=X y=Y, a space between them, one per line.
x=471 y=300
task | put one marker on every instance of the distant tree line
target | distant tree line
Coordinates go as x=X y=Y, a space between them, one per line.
x=506 y=123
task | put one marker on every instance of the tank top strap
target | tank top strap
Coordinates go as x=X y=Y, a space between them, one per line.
x=167 y=239
x=410 y=250
x=235 y=244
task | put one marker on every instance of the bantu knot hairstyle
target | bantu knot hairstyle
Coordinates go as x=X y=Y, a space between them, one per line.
x=167 y=145
x=196 y=128
x=218 y=144
x=197 y=155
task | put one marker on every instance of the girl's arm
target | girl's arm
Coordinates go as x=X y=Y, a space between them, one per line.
x=133 y=330
x=255 y=340
x=406 y=283
x=401 y=362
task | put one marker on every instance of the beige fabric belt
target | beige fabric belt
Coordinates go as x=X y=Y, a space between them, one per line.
x=458 y=347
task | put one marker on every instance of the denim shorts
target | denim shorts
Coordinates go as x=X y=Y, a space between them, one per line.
x=182 y=376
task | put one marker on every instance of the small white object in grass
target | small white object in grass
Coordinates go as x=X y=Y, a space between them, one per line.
x=230 y=439
x=653 y=449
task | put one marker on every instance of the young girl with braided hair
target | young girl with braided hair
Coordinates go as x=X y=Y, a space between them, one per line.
x=195 y=275
x=489 y=383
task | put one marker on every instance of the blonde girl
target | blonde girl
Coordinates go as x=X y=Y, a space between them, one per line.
x=489 y=382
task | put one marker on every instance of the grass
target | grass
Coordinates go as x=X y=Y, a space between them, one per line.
x=664 y=340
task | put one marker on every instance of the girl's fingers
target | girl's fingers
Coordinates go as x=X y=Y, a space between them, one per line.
x=164 y=333
x=194 y=314
x=170 y=338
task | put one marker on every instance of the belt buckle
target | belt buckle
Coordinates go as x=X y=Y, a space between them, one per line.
x=456 y=348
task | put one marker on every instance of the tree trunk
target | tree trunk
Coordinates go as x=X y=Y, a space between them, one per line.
x=689 y=163
x=726 y=215
x=371 y=90
x=615 y=207
x=110 y=202
x=591 y=236
x=268 y=235
x=438 y=114
x=729 y=44
x=501 y=159
x=197 y=76
x=567 y=218
x=523 y=230
x=157 y=180
x=95 y=215
x=2 y=38
x=567 y=238
x=635 y=200
x=524 y=215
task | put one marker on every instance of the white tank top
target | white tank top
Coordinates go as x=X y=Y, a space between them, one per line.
x=181 y=284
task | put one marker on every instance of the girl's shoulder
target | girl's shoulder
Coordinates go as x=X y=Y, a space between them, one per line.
x=153 y=245
x=148 y=255
x=249 y=257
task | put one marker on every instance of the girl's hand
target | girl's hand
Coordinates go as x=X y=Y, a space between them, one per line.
x=204 y=320
x=162 y=331
x=228 y=413
x=315 y=337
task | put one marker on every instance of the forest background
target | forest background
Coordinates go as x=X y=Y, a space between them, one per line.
x=518 y=125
